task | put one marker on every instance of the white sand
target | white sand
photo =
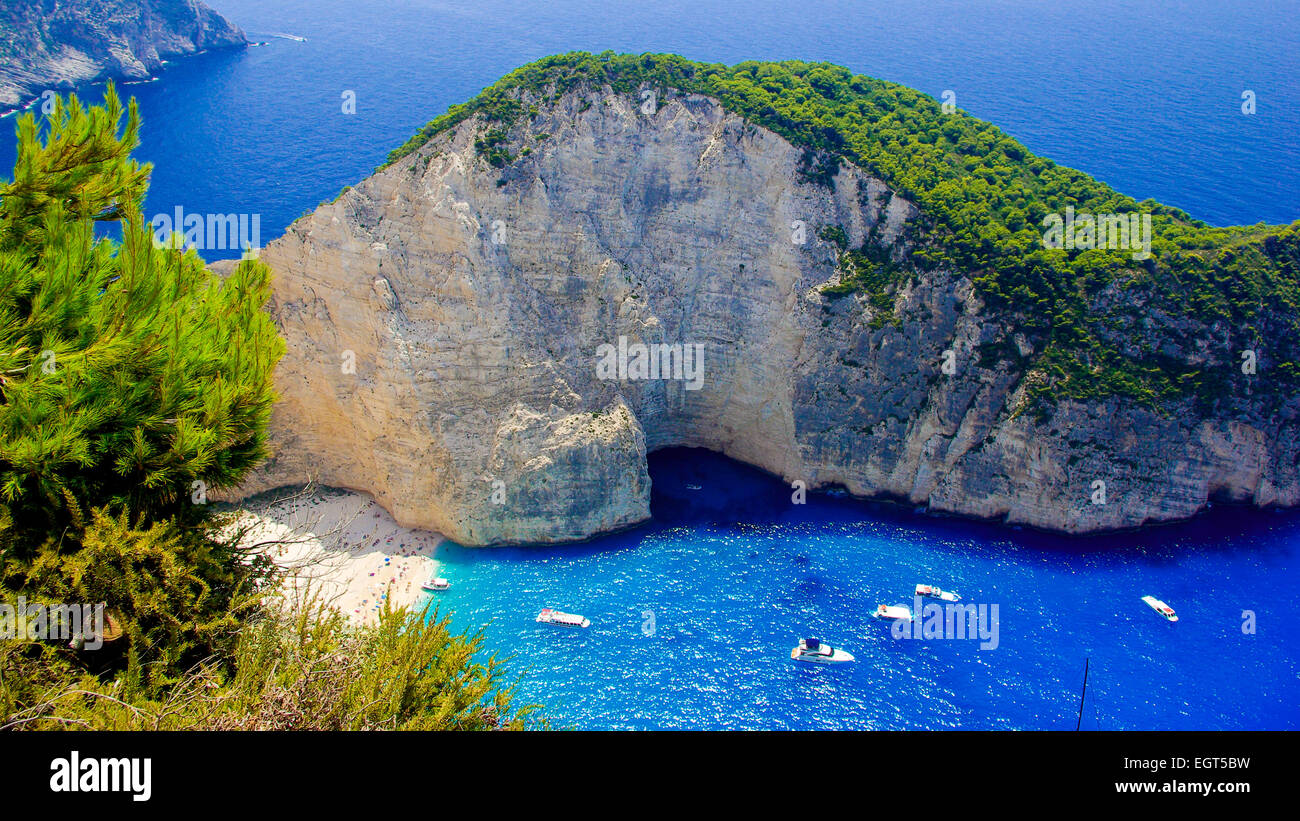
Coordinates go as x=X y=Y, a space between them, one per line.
x=348 y=549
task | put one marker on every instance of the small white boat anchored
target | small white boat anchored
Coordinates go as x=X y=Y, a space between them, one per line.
x=894 y=612
x=551 y=616
x=1161 y=608
x=817 y=652
x=935 y=593
x=435 y=584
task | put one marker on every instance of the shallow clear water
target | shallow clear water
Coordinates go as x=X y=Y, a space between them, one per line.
x=694 y=616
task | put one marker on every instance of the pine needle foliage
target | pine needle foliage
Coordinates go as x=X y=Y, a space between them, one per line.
x=130 y=376
x=133 y=382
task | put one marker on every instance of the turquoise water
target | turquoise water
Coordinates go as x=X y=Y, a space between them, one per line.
x=693 y=617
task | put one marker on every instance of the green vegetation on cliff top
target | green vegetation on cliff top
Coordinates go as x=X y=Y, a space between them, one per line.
x=1101 y=323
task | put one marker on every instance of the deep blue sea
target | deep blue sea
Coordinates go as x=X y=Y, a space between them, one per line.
x=694 y=616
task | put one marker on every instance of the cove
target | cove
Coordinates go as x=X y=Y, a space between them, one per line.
x=693 y=616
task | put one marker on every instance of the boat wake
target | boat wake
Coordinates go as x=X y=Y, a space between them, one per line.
x=293 y=37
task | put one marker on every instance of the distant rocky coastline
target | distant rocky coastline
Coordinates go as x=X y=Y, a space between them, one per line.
x=56 y=45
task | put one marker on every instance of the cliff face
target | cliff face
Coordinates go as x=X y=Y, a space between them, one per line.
x=56 y=44
x=473 y=302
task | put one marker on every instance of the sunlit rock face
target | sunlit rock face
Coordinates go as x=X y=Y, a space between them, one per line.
x=451 y=327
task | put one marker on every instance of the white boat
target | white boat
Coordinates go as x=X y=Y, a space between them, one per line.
x=935 y=593
x=435 y=584
x=816 y=652
x=895 y=612
x=551 y=616
x=694 y=487
x=1160 y=607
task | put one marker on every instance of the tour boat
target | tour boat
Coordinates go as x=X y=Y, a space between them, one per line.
x=550 y=616
x=896 y=612
x=435 y=584
x=815 y=652
x=1160 y=607
x=935 y=593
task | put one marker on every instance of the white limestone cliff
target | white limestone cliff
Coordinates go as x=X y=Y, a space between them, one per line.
x=443 y=319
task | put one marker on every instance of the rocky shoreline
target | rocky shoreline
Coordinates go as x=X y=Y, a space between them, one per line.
x=81 y=42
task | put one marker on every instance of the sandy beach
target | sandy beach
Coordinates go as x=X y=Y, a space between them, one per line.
x=347 y=548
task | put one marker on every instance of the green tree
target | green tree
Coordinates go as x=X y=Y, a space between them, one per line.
x=130 y=376
x=133 y=381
